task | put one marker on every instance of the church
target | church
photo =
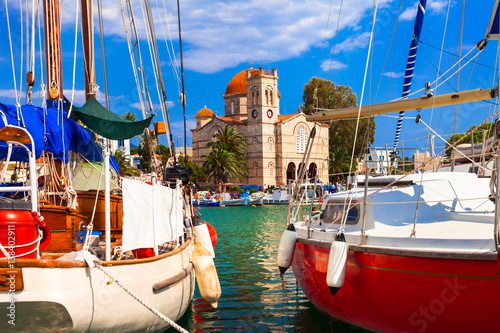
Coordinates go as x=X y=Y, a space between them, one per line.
x=276 y=143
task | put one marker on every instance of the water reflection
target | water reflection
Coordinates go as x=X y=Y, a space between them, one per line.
x=252 y=294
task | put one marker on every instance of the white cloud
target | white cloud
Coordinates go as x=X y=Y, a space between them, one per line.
x=438 y=7
x=354 y=43
x=223 y=34
x=10 y=93
x=434 y=7
x=328 y=64
x=393 y=75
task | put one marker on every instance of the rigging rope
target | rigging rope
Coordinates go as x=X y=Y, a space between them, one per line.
x=103 y=52
x=335 y=39
x=74 y=61
x=368 y=56
x=18 y=105
x=324 y=38
x=170 y=47
x=142 y=93
x=92 y=262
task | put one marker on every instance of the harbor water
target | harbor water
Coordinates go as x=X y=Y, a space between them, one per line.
x=253 y=299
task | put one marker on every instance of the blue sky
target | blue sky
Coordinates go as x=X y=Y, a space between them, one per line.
x=220 y=38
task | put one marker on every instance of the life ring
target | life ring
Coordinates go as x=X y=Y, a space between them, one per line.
x=46 y=235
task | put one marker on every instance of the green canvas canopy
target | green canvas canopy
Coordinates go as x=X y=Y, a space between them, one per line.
x=106 y=123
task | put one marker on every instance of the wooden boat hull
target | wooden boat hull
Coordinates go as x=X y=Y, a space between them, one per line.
x=68 y=296
x=401 y=293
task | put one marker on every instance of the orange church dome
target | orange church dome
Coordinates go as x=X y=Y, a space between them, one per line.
x=238 y=84
x=205 y=112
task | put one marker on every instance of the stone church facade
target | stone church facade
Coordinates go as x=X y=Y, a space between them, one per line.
x=276 y=143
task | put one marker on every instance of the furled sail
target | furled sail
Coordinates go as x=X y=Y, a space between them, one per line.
x=410 y=64
x=493 y=27
x=106 y=123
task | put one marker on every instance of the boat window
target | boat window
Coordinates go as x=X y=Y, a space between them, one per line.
x=334 y=209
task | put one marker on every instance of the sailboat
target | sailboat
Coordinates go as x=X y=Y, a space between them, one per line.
x=411 y=253
x=142 y=281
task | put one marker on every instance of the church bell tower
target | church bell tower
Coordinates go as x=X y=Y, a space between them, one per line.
x=262 y=96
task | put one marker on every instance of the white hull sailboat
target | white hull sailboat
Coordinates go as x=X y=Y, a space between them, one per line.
x=68 y=296
x=143 y=281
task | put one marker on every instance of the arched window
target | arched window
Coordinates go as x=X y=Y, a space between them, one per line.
x=271 y=166
x=254 y=88
x=214 y=131
x=255 y=144
x=257 y=97
x=231 y=105
x=301 y=139
x=270 y=141
x=269 y=95
x=256 y=168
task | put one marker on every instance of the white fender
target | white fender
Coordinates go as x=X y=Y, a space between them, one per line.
x=286 y=249
x=203 y=236
x=337 y=264
x=206 y=274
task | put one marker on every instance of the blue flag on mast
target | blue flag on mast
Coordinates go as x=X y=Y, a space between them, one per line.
x=410 y=64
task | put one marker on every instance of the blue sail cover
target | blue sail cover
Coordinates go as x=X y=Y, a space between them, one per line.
x=50 y=134
x=410 y=64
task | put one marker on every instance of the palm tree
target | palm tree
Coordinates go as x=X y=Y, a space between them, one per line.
x=227 y=155
x=221 y=164
x=339 y=162
x=230 y=140
x=129 y=116
x=124 y=164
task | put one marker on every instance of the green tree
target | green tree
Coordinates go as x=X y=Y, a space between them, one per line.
x=226 y=158
x=478 y=135
x=325 y=94
x=197 y=174
x=221 y=164
x=229 y=140
x=129 y=116
x=340 y=161
x=124 y=164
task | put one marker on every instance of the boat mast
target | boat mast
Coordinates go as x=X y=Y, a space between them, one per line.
x=53 y=63
x=88 y=48
x=90 y=90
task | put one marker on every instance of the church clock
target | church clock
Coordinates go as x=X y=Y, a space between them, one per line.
x=269 y=113
x=254 y=113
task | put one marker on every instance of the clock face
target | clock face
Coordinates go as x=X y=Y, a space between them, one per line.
x=269 y=113
x=254 y=113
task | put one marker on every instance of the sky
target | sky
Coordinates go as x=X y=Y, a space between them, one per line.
x=302 y=39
